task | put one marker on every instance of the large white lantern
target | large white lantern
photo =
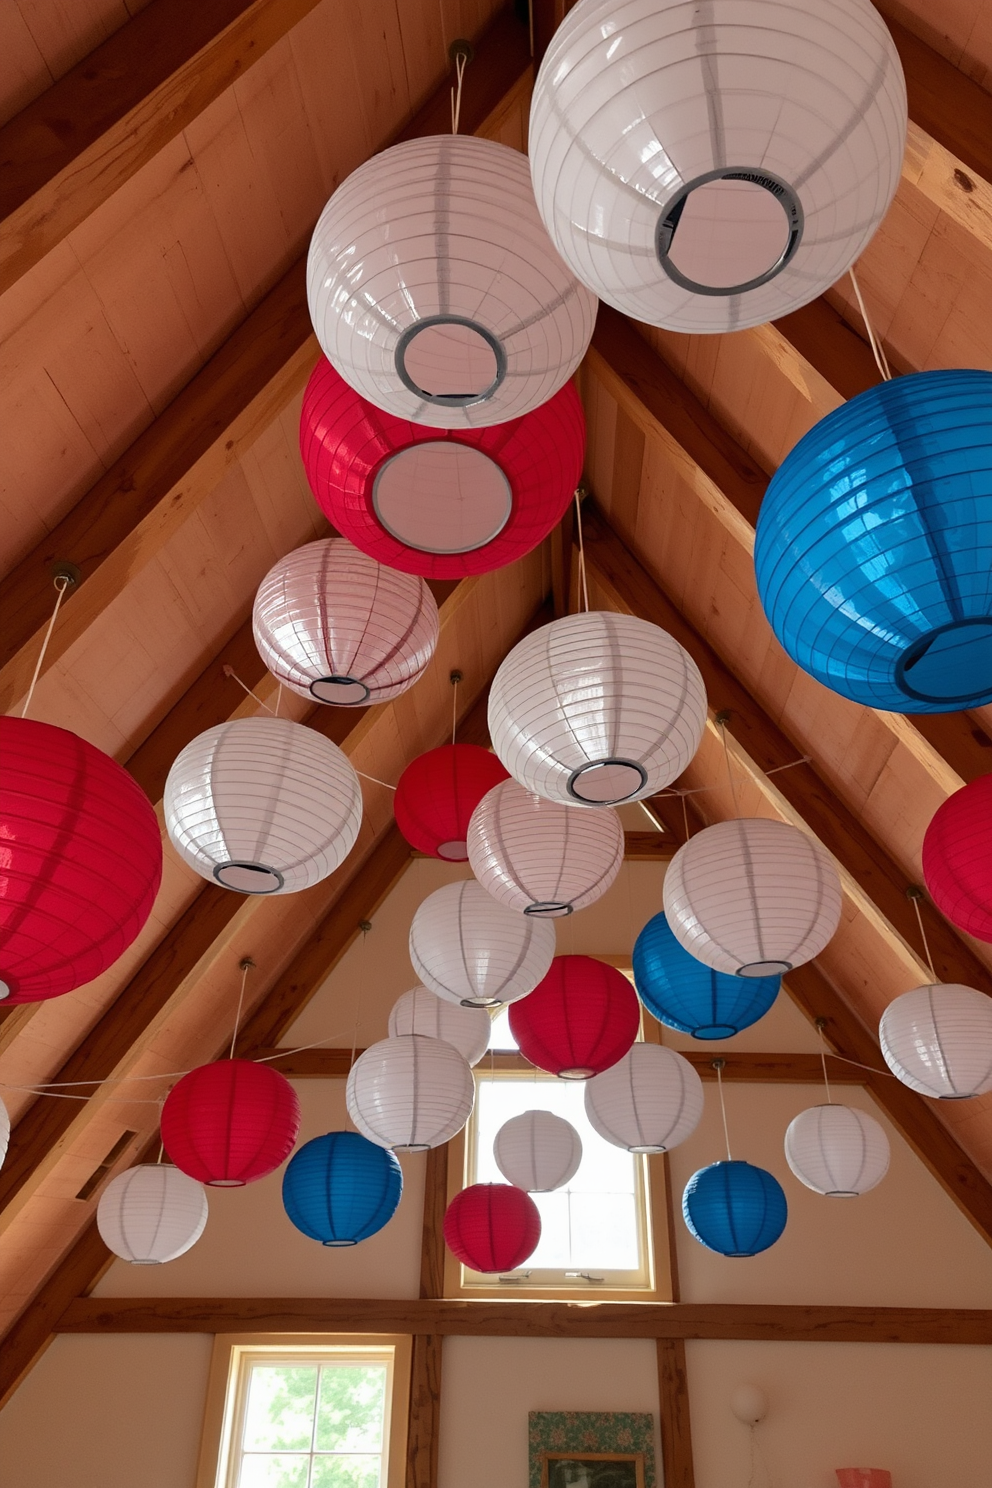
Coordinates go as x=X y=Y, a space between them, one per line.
x=263 y=805
x=540 y=857
x=710 y=167
x=469 y=949
x=467 y=1029
x=410 y=1092
x=838 y=1151
x=937 y=1040
x=434 y=288
x=596 y=709
x=537 y=1151
x=752 y=897
x=333 y=624
x=4 y=1131
x=648 y=1102
x=151 y=1214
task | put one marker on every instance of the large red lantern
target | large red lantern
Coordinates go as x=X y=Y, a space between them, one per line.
x=437 y=793
x=957 y=858
x=80 y=860
x=229 y=1123
x=492 y=1227
x=442 y=503
x=580 y=1020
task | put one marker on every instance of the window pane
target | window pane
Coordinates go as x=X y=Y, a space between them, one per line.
x=264 y=1471
x=279 y=1413
x=352 y=1400
x=345 y=1472
x=500 y=1035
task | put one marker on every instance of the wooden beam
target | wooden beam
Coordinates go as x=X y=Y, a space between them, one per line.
x=952 y=108
x=673 y=1400
x=432 y=1240
x=423 y=1428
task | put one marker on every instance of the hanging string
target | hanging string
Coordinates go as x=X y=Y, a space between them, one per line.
x=230 y=672
x=456 y=93
x=823 y=1059
x=685 y=813
x=62 y=583
x=878 y=351
x=375 y=780
x=718 y=1066
x=456 y=677
x=247 y=965
x=275 y=710
x=582 y=554
x=721 y=719
x=915 y=895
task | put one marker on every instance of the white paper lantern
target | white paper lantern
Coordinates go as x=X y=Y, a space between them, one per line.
x=435 y=290
x=938 y=1040
x=151 y=1214
x=420 y=1010
x=4 y=1131
x=410 y=1092
x=469 y=949
x=263 y=806
x=710 y=167
x=596 y=709
x=752 y=897
x=649 y=1102
x=537 y=1151
x=837 y=1150
x=333 y=624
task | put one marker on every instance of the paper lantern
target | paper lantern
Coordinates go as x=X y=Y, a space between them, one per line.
x=597 y=708
x=734 y=1208
x=864 y=1477
x=649 y=1101
x=938 y=1040
x=683 y=993
x=492 y=1227
x=957 y=861
x=710 y=169
x=410 y=1092
x=537 y=1151
x=469 y=949
x=4 y=1131
x=151 y=1214
x=874 y=545
x=467 y=1029
x=540 y=857
x=230 y=1123
x=752 y=897
x=437 y=793
x=341 y=1188
x=332 y=624
x=838 y=1151
x=579 y=1020
x=445 y=503
x=434 y=288
x=263 y=806
x=81 y=860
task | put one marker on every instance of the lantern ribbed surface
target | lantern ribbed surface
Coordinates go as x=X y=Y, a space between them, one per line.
x=151 y=1214
x=937 y=1040
x=838 y=1151
x=230 y=1123
x=873 y=550
x=467 y=1029
x=435 y=290
x=445 y=503
x=540 y=857
x=4 y=1131
x=263 y=806
x=81 y=861
x=734 y=1208
x=684 y=993
x=752 y=897
x=597 y=708
x=341 y=1188
x=411 y=1092
x=537 y=1151
x=957 y=858
x=649 y=1101
x=492 y=1227
x=469 y=949
x=332 y=624
x=578 y=1021
x=437 y=793
x=706 y=168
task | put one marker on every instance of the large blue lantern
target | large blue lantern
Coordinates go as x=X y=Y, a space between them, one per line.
x=874 y=546
x=684 y=994
x=734 y=1208
x=341 y=1188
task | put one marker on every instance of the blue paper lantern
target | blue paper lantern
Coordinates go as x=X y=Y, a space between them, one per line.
x=734 y=1208
x=341 y=1188
x=874 y=546
x=684 y=994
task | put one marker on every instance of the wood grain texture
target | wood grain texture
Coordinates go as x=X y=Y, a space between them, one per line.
x=673 y=1402
x=423 y=1428
x=952 y=108
x=432 y=1240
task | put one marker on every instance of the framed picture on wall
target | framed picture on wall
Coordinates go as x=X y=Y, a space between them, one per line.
x=592 y=1470
x=591 y=1449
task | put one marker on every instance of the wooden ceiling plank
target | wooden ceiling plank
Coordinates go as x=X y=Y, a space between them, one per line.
x=953 y=109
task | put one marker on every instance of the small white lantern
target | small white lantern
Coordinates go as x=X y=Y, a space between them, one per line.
x=410 y=1092
x=838 y=1151
x=469 y=949
x=540 y=857
x=937 y=1040
x=151 y=1214
x=649 y=1102
x=752 y=897
x=263 y=806
x=4 y=1131
x=537 y=1151
x=333 y=624
x=597 y=708
x=420 y=1010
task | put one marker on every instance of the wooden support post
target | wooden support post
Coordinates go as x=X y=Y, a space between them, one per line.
x=673 y=1395
x=425 y=1411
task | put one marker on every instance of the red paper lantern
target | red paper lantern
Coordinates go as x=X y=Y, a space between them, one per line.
x=442 y=503
x=957 y=858
x=438 y=792
x=580 y=1020
x=492 y=1227
x=80 y=860
x=229 y=1123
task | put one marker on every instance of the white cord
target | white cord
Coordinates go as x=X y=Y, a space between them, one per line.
x=878 y=351
x=62 y=583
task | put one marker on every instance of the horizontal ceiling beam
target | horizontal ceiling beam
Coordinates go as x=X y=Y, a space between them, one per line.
x=952 y=108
